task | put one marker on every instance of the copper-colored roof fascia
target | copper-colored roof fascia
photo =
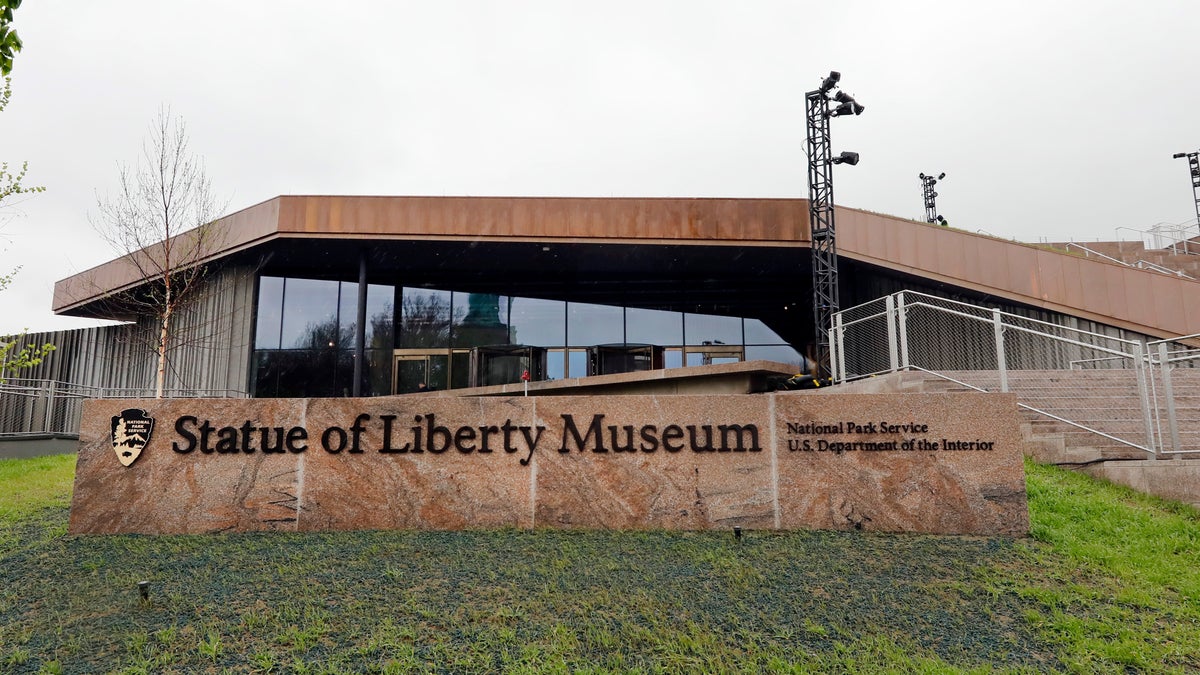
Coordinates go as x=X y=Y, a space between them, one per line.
x=1139 y=300
x=705 y=219
x=803 y=245
x=240 y=230
x=770 y=222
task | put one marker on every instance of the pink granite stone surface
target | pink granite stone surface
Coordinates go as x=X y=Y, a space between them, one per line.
x=914 y=488
x=435 y=462
x=652 y=487
x=166 y=492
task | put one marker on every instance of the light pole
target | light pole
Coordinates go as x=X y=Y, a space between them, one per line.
x=1193 y=159
x=820 y=206
x=927 y=183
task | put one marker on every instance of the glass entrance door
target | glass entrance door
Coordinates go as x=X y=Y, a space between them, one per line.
x=410 y=372
x=414 y=366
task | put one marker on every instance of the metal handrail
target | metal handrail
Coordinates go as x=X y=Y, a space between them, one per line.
x=1146 y=264
x=1041 y=412
x=1089 y=252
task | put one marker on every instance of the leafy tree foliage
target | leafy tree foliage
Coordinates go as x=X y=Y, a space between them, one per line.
x=10 y=44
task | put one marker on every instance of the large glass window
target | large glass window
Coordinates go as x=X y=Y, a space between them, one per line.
x=479 y=320
x=310 y=308
x=380 y=317
x=425 y=318
x=270 y=313
x=305 y=333
x=653 y=327
x=306 y=328
x=703 y=329
x=536 y=322
x=589 y=324
x=759 y=333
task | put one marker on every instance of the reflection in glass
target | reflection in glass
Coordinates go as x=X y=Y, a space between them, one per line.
x=379 y=372
x=410 y=373
x=577 y=363
x=481 y=324
x=424 y=318
x=380 y=324
x=309 y=314
x=556 y=364
x=759 y=333
x=305 y=331
x=589 y=324
x=673 y=358
x=655 y=327
x=534 y=321
x=702 y=329
x=270 y=313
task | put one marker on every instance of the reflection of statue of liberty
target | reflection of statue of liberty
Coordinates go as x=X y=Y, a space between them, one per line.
x=483 y=310
x=482 y=324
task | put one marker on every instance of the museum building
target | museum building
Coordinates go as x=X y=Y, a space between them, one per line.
x=329 y=296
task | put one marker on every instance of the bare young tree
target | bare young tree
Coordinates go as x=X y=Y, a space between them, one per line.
x=162 y=223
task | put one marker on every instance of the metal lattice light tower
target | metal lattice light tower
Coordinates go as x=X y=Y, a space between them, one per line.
x=1193 y=159
x=927 y=183
x=820 y=206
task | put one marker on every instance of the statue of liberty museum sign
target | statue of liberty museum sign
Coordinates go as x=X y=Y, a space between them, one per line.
x=937 y=463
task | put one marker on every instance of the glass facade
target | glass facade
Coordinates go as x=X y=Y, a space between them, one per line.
x=304 y=338
x=421 y=337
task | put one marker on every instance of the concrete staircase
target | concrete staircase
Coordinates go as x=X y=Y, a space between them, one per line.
x=1106 y=402
x=1184 y=257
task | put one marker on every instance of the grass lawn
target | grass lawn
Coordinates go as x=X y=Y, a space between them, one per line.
x=1109 y=582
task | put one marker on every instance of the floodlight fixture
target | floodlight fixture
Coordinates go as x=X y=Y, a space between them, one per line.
x=830 y=82
x=1179 y=155
x=846 y=157
x=941 y=175
x=847 y=108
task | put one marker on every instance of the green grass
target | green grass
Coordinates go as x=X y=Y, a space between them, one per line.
x=1108 y=583
x=27 y=485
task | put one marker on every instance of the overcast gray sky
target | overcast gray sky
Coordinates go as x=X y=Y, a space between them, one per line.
x=1053 y=120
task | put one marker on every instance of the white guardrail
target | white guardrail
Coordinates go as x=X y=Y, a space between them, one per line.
x=1125 y=390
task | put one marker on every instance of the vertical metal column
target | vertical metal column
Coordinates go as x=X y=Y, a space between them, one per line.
x=820 y=219
x=1141 y=371
x=839 y=339
x=1001 y=361
x=360 y=332
x=893 y=351
x=1164 y=365
x=902 y=326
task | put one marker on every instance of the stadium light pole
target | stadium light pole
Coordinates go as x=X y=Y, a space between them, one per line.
x=1193 y=159
x=818 y=111
x=930 y=196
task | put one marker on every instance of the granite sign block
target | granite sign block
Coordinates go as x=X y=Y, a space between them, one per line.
x=939 y=463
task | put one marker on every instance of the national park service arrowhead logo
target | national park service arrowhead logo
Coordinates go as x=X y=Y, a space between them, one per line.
x=130 y=433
